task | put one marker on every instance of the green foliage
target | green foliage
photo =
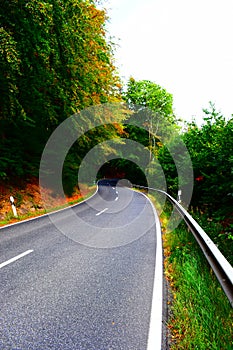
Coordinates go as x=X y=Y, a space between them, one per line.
x=54 y=61
x=10 y=72
x=152 y=109
x=220 y=233
x=150 y=122
x=150 y=95
x=123 y=168
x=211 y=149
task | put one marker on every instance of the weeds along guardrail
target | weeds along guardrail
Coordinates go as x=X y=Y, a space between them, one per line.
x=220 y=266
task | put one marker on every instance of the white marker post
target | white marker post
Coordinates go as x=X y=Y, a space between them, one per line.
x=179 y=196
x=13 y=206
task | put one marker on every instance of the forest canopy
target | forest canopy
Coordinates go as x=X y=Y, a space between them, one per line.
x=54 y=61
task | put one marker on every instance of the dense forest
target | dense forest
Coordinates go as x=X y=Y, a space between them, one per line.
x=55 y=60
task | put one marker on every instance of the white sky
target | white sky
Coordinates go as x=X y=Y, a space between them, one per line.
x=184 y=46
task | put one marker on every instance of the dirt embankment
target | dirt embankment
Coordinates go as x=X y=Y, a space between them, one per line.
x=28 y=201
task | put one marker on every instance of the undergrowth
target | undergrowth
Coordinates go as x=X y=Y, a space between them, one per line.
x=9 y=218
x=202 y=317
x=222 y=235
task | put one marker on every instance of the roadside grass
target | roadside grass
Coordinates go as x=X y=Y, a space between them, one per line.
x=201 y=316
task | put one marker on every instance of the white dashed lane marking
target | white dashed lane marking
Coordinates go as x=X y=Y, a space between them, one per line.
x=101 y=212
x=15 y=258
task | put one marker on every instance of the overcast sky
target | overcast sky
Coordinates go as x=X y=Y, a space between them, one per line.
x=184 y=46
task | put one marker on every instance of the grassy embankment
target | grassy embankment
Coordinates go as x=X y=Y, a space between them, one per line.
x=202 y=317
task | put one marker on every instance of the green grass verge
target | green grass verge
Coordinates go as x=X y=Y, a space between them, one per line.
x=202 y=316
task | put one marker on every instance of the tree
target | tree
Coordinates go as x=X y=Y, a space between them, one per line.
x=152 y=108
x=152 y=121
x=150 y=95
x=54 y=61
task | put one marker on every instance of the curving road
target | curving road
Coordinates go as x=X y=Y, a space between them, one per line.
x=82 y=278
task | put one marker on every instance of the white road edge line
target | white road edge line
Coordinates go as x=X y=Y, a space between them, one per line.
x=15 y=258
x=155 y=329
x=101 y=212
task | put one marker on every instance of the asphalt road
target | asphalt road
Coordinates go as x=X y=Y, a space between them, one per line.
x=86 y=279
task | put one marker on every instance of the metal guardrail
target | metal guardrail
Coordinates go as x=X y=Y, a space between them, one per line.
x=221 y=267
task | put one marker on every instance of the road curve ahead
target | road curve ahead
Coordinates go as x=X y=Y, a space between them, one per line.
x=80 y=278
